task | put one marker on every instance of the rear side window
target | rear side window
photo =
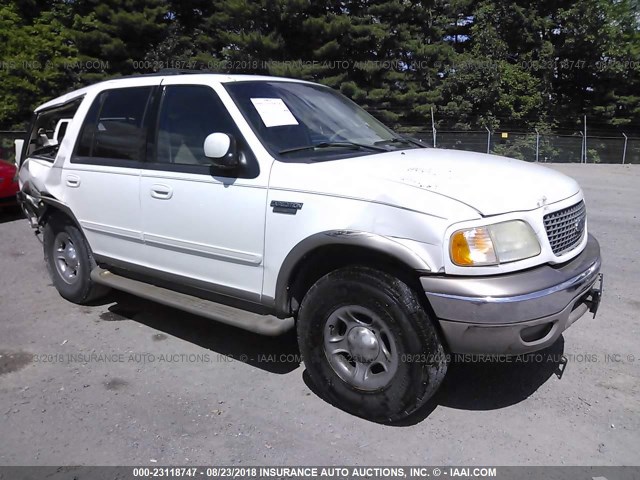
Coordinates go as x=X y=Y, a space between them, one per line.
x=115 y=125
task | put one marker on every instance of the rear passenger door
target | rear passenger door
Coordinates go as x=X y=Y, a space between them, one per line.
x=102 y=179
x=203 y=226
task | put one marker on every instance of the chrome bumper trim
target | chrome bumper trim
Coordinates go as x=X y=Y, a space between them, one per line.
x=578 y=279
x=514 y=297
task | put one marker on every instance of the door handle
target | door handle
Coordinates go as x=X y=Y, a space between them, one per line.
x=161 y=192
x=72 y=181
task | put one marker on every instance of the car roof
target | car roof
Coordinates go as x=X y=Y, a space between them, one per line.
x=133 y=81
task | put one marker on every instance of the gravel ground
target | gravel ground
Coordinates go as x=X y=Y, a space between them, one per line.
x=132 y=382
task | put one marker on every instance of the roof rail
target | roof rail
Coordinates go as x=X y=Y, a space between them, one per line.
x=180 y=71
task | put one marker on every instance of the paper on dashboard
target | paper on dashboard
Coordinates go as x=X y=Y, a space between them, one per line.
x=274 y=112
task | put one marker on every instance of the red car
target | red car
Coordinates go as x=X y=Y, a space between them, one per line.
x=8 y=183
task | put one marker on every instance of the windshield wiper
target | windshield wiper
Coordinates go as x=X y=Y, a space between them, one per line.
x=351 y=145
x=404 y=140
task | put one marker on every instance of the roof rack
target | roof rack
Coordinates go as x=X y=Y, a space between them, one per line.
x=164 y=71
x=179 y=71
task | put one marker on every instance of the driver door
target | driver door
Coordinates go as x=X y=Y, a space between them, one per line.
x=202 y=227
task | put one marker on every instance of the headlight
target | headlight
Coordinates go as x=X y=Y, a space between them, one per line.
x=493 y=244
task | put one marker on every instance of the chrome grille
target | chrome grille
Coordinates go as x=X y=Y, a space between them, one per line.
x=565 y=228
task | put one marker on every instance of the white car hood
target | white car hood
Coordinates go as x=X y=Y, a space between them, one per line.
x=488 y=183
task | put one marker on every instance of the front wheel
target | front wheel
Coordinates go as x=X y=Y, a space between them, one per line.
x=368 y=344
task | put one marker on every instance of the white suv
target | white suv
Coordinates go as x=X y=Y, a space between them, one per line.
x=272 y=204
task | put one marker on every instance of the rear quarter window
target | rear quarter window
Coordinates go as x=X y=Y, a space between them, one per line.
x=42 y=141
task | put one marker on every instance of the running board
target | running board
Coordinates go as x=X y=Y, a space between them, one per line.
x=253 y=322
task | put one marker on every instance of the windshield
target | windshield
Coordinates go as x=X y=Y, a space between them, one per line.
x=300 y=121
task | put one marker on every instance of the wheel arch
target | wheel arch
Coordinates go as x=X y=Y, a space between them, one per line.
x=51 y=206
x=39 y=206
x=318 y=254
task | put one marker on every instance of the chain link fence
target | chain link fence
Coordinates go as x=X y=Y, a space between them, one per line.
x=532 y=147
x=544 y=148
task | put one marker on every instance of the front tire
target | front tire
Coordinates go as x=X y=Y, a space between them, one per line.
x=368 y=344
x=69 y=261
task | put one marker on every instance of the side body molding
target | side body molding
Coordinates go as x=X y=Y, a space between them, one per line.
x=350 y=238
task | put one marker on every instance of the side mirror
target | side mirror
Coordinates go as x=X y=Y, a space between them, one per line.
x=18 y=144
x=221 y=149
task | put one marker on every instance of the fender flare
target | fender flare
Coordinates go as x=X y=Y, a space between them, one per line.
x=54 y=203
x=42 y=204
x=351 y=238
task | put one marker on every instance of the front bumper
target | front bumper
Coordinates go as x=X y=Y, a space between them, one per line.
x=518 y=312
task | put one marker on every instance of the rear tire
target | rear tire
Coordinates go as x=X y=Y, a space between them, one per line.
x=69 y=261
x=368 y=344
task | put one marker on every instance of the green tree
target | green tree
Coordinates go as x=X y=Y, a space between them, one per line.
x=617 y=90
x=111 y=34
x=513 y=65
x=489 y=86
x=383 y=54
x=36 y=59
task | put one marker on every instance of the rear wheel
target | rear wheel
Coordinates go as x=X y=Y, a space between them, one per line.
x=69 y=260
x=368 y=344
